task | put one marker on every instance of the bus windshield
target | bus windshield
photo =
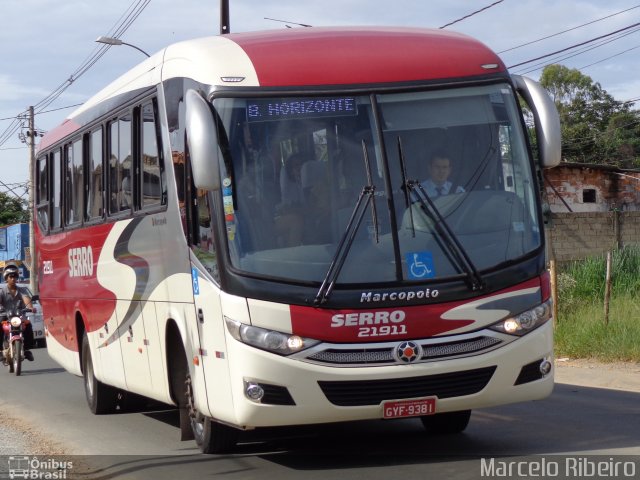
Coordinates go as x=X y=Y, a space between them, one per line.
x=448 y=183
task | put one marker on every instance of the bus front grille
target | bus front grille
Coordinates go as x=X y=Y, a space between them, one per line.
x=373 y=392
x=349 y=356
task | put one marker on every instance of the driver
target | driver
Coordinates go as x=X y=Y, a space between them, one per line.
x=438 y=183
x=15 y=299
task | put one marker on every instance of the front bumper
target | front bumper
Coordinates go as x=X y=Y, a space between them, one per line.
x=476 y=381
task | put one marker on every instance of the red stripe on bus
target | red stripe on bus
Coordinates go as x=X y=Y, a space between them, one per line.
x=399 y=322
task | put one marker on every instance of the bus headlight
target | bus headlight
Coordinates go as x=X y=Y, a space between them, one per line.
x=526 y=321
x=270 y=340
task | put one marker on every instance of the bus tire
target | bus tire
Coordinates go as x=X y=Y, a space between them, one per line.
x=446 y=423
x=210 y=436
x=101 y=398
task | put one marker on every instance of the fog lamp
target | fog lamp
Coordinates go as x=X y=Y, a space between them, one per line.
x=253 y=391
x=545 y=367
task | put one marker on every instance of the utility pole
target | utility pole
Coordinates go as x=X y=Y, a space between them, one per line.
x=33 y=276
x=224 y=17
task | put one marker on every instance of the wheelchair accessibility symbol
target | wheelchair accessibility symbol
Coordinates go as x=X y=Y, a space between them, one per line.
x=420 y=265
x=194 y=281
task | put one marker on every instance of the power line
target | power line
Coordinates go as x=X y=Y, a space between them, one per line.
x=584 y=49
x=12 y=190
x=123 y=24
x=568 y=30
x=575 y=46
x=579 y=142
x=45 y=111
x=472 y=14
x=12 y=148
x=609 y=57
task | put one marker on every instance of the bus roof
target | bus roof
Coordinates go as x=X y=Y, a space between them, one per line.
x=362 y=55
x=305 y=57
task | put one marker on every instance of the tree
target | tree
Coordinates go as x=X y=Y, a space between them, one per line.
x=596 y=128
x=12 y=210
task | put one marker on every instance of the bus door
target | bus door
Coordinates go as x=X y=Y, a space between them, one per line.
x=211 y=376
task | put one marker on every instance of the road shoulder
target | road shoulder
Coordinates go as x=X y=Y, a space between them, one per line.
x=592 y=373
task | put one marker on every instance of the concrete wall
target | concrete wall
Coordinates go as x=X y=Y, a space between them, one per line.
x=574 y=236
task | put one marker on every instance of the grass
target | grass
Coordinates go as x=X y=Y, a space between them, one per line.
x=581 y=331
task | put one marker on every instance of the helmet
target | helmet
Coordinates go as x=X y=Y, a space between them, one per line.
x=9 y=269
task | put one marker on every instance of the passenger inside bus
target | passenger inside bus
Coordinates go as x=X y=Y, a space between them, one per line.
x=290 y=186
x=302 y=216
x=315 y=193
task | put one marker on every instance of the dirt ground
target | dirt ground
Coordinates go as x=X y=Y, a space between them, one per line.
x=592 y=373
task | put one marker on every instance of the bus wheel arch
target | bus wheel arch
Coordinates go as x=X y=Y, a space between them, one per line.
x=176 y=361
x=210 y=436
x=80 y=334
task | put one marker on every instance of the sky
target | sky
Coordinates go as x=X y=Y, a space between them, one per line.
x=43 y=42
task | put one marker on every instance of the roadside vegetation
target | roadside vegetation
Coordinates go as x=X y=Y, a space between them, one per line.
x=581 y=331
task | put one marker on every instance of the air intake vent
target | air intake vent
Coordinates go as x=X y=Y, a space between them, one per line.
x=529 y=373
x=372 y=392
x=276 y=395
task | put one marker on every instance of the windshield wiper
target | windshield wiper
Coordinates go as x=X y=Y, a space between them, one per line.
x=365 y=198
x=449 y=240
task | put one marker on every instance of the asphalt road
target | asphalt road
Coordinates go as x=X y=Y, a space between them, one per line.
x=574 y=420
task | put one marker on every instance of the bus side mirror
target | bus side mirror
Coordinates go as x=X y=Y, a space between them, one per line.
x=202 y=140
x=547 y=120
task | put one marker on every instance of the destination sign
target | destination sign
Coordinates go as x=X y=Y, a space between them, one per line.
x=292 y=108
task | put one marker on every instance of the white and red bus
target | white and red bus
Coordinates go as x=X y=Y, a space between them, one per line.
x=239 y=226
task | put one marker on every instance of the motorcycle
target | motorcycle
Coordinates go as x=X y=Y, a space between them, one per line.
x=13 y=326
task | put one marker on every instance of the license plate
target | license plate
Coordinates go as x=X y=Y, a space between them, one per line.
x=409 y=408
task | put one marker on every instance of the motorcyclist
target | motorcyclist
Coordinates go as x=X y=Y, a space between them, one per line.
x=15 y=299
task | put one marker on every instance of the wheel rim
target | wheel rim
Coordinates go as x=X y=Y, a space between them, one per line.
x=88 y=378
x=197 y=419
x=197 y=424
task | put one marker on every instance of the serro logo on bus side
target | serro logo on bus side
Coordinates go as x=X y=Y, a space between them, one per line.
x=80 y=261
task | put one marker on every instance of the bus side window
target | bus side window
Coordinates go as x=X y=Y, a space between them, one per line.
x=42 y=192
x=56 y=190
x=152 y=186
x=204 y=245
x=198 y=215
x=73 y=176
x=120 y=168
x=94 y=186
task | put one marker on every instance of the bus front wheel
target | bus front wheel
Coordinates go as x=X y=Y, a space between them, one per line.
x=446 y=423
x=210 y=436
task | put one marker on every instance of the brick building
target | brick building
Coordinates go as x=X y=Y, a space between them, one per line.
x=593 y=209
x=580 y=187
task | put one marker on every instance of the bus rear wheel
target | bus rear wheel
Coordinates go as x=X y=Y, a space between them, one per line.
x=101 y=398
x=446 y=423
x=210 y=436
